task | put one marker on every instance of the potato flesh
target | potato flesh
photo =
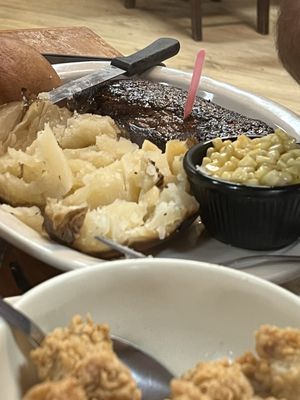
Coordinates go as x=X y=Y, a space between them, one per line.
x=30 y=216
x=131 y=194
x=19 y=128
x=44 y=173
x=82 y=130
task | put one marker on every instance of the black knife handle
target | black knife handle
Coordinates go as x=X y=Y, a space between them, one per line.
x=150 y=56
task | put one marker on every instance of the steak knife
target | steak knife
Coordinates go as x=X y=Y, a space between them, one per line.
x=54 y=58
x=152 y=55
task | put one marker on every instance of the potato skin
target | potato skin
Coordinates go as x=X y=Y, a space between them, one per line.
x=23 y=68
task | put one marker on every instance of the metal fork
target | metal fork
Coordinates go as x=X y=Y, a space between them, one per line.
x=253 y=261
x=239 y=263
x=120 y=248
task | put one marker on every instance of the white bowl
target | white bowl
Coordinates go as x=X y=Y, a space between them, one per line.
x=178 y=310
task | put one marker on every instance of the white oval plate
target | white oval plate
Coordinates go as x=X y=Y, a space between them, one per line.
x=192 y=245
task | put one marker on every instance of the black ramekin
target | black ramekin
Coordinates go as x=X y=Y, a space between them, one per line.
x=251 y=217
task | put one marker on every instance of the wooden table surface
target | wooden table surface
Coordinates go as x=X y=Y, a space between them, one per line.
x=71 y=40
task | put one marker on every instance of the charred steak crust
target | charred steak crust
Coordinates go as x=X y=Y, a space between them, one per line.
x=154 y=111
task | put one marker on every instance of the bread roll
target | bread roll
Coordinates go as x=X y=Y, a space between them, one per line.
x=22 y=68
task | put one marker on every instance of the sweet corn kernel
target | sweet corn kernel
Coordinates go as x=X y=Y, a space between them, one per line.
x=261 y=171
x=271 y=178
x=205 y=161
x=218 y=143
x=247 y=161
x=226 y=175
x=271 y=160
x=209 y=152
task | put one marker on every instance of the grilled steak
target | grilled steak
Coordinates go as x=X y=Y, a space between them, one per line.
x=154 y=111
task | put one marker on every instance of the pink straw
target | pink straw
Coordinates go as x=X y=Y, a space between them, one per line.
x=194 y=83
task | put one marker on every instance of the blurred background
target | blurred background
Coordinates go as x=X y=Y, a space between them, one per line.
x=236 y=52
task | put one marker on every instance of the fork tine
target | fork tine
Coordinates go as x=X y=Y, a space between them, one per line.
x=125 y=250
x=252 y=261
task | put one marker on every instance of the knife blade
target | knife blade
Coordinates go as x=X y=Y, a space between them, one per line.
x=155 y=53
x=54 y=58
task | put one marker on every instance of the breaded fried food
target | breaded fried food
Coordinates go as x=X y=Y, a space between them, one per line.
x=272 y=374
x=104 y=376
x=276 y=370
x=214 y=380
x=66 y=389
x=78 y=363
x=64 y=348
